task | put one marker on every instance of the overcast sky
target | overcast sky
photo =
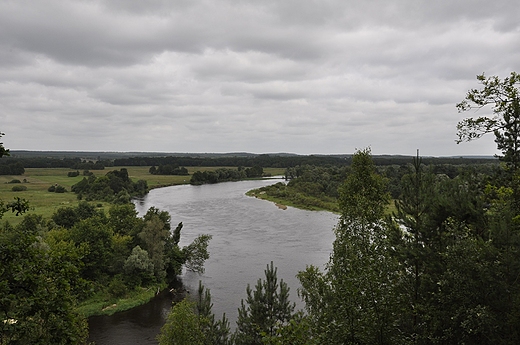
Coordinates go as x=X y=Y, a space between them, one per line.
x=327 y=76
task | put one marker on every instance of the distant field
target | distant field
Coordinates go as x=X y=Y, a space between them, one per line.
x=38 y=180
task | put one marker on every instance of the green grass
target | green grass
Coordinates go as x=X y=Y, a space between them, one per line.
x=46 y=203
x=40 y=200
x=102 y=304
x=327 y=206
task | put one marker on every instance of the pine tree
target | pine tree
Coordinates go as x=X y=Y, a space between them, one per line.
x=268 y=309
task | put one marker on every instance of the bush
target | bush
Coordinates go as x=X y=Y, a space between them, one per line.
x=57 y=189
x=60 y=189
x=73 y=173
x=14 y=181
x=117 y=287
x=19 y=188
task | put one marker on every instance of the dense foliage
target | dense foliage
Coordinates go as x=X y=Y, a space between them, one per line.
x=225 y=175
x=281 y=160
x=49 y=266
x=315 y=187
x=36 y=288
x=116 y=187
x=310 y=187
x=12 y=169
x=17 y=163
x=168 y=170
x=271 y=161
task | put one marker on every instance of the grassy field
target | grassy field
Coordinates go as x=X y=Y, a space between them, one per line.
x=38 y=180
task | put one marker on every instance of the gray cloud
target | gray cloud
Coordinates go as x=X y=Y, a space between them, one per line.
x=203 y=76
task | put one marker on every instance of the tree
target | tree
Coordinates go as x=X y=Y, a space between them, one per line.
x=124 y=220
x=194 y=323
x=182 y=326
x=174 y=256
x=138 y=267
x=97 y=236
x=504 y=97
x=215 y=332
x=354 y=300
x=36 y=303
x=268 y=308
x=196 y=253
x=297 y=331
x=19 y=206
x=3 y=150
x=153 y=237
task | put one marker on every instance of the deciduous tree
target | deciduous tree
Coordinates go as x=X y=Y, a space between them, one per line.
x=504 y=98
x=353 y=301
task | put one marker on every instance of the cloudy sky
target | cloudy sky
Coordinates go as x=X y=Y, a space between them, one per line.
x=298 y=76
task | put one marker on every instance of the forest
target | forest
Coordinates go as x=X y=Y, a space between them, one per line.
x=439 y=267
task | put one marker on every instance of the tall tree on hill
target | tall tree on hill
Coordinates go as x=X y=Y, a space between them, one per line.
x=353 y=301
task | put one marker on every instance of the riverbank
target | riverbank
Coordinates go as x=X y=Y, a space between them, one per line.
x=102 y=304
x=281 y=196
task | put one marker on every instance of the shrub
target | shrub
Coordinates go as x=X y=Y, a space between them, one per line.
x=14 y=181
x=117 y=287
x=60 y=189
x=57 y=189
x=19 y=188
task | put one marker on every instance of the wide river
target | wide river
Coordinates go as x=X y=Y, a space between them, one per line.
x=248 y=234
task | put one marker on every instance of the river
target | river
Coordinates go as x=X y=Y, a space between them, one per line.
x=248 y=234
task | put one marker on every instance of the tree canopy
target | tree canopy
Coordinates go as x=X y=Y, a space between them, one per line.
x=504 y=98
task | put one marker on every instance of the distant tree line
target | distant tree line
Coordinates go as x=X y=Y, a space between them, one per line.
x=270 y=161
x=224 y=175
x=15 y=168
x=43 y=162
x=168 y=169
x=14 y=165
x=275 y=161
